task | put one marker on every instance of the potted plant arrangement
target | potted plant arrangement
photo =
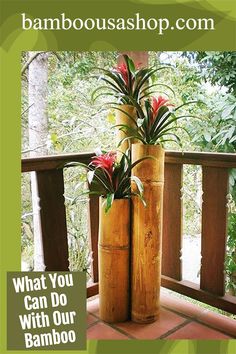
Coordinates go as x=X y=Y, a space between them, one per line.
x=156 y=124
x=128 y=85
x=112 y=182
x=136 y=174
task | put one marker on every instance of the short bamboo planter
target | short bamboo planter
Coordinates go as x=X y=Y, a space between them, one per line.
x=146 y=235
x=123 y=118
x=113 y=252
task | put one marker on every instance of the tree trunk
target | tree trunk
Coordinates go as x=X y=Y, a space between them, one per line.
x=38 y=131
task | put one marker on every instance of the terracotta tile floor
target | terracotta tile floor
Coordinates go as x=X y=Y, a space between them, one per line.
x=178 y=320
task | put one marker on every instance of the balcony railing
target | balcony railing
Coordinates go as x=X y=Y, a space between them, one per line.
x=215 y=175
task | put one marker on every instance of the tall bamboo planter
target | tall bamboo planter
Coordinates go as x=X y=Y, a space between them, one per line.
x=122 y=118
x=113 y=253
x=147 y=235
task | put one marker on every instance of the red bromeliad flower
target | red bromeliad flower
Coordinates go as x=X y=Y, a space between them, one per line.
x=156 y=104
x=105 y=162
x=122 y=69
x=159 y=102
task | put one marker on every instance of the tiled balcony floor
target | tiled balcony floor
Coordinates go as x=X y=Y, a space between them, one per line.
x=178 y=320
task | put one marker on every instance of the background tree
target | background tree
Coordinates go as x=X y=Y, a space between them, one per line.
x=37 y=65
x=219 y=68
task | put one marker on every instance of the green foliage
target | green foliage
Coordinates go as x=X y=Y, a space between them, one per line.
x=231 y=254
x=111 y=178
x=154 y=125
x=185 y=88
x=77 y=227
x=192 y=200
x=75 y=122
x=27 y=239
x=217 y=131
x=219 y=68
x=125 y=82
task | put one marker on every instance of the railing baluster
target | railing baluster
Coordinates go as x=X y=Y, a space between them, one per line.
x=93 y=233
x=172 y=222
x=53 y=219
x=214 y=229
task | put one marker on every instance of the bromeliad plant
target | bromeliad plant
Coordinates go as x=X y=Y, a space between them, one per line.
x=111 y=178
x=127 y=83
x=156 y=122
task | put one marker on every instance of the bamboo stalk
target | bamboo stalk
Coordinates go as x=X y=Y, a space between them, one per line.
x=123 y=118
x=114 y=249
x=147 y=235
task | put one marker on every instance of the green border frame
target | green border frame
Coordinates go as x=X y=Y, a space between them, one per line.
x=14 y=40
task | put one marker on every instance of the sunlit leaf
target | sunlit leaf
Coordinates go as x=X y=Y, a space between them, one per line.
x=111 y=118
x=90 y=176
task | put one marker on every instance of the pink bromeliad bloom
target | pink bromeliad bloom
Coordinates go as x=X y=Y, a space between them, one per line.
x=105 y=162
x=122 y=69
x=159 y=102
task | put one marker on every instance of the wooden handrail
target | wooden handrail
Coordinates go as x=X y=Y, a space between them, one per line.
x=52 y=162
x=193 y=158
x=213 y=159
